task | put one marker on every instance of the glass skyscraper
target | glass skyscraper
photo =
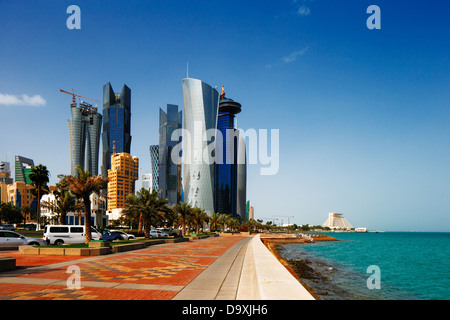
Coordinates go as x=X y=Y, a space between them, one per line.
x=230 y=175
x=200 y=112
x=154 y=157
x=85 y=127
x=116 y=124
x=169 y=172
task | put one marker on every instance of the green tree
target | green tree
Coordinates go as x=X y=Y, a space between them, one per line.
x=184 y=210
x=65 y=203
x=199 y=216
x=39 y=176
x=26 y=211
x=82 y=186
x=223 y=220
x=214 y=221
x=9 y=213
x=148 y=205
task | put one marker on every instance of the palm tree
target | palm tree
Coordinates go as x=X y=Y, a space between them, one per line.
x=39 y=176
x=199 y=216
x=149 y=206
x=233 y=223
x=82 y=186
x=132 y=217
x=223 y=220
x=184 y=210
x=26 y=212
x=65 y=203
x=214 y=220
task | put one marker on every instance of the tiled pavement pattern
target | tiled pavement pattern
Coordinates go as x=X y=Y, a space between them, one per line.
x=155 y=273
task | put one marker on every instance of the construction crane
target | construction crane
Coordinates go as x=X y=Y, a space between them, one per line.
x=285 y=217
x=73 y=94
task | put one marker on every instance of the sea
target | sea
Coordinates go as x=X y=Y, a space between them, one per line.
x=375 y=266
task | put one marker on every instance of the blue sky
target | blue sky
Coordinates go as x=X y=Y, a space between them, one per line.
x=363 y=114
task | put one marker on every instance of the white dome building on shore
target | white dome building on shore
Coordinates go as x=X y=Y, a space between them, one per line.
x=337 y=221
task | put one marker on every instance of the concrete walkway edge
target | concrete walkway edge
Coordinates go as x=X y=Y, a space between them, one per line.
x=263 y=277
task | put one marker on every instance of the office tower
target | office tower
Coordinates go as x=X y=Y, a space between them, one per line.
x=154 y=157
x=5 y=173
x=147 y=181
x=250 y=211
x=169 y=172
x=122 y=176
x=230 y=175
x=22 y=169
x=85 y=127
x=199 y=115
x=241 y=197
x=116 y=124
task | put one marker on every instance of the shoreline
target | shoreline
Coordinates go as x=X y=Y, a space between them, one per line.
x=289 y=267
x=298 y=268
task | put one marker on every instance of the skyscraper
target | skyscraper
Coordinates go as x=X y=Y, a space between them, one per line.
x=116 y=124
x=22 y=169
x=199 y=115
x=5 y=173
x=169 y=172
x=85 y=127
x=122 y=176
x=230 y=175
x=147 y=181
x=154 y=157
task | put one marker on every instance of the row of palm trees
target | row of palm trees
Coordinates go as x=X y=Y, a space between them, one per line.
x=151 y=211
x=147 y=208
x=69 y=190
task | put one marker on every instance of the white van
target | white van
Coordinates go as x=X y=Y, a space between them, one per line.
x=60 y=234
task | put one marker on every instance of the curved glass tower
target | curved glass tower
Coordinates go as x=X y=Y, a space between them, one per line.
x=199 y=115
x=84 y=131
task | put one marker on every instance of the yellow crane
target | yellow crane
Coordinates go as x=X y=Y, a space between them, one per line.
x=73 y=94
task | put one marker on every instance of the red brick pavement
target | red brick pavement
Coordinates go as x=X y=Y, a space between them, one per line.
x=169 y=265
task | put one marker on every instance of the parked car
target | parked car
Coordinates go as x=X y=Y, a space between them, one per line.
x=10 y=239
x=124 y=235
x=168 y=231
x=60 y=234
x=7 y=227
x=109 y=236
x=158 y=234
x=30 y=227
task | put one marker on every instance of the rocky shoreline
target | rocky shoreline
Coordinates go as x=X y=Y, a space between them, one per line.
x=312 y=274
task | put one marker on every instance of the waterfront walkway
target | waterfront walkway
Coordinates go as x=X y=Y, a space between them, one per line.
x=161 y=272
x=208 y=269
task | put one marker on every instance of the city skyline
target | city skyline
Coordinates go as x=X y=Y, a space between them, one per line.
x=363 y=114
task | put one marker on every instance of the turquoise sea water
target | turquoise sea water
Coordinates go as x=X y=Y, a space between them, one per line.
x=412 y=265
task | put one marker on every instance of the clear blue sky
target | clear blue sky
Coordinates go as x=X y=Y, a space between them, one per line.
x=363 y=114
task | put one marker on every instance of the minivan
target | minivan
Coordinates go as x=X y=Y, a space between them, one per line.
x=9 y=227
x=60 y=234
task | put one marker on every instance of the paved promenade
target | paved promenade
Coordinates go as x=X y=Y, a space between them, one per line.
x=207 y=269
